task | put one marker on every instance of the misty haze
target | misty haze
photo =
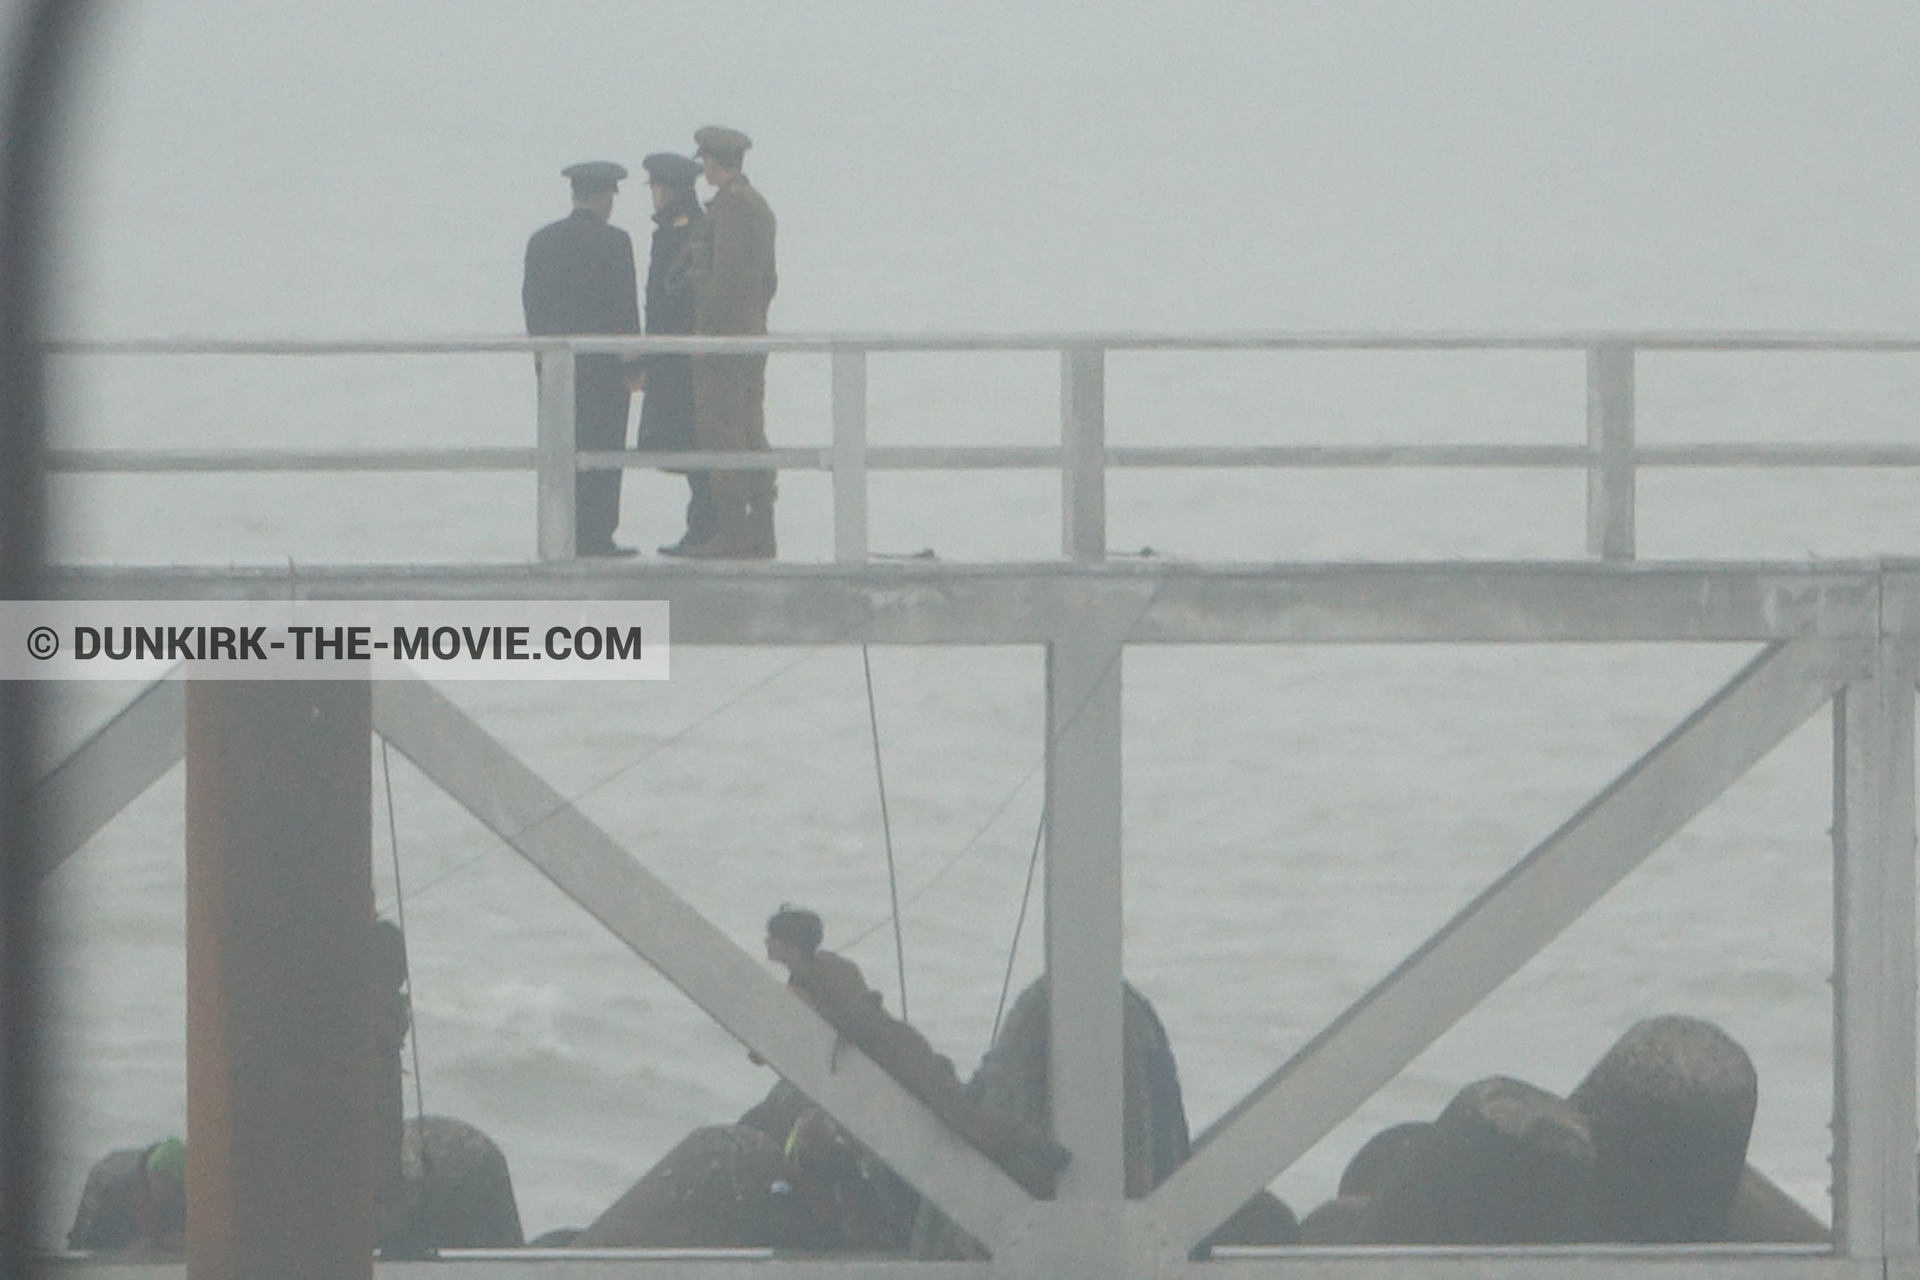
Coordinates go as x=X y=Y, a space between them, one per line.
x=1297 y=818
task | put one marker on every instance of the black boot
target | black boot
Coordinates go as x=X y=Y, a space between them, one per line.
x=700 y=517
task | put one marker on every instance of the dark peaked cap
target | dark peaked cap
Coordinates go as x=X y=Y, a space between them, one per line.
x=668 y=169
x=721 y=144
x=594 y=176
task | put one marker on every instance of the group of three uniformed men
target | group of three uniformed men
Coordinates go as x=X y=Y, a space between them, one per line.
x=711 y=271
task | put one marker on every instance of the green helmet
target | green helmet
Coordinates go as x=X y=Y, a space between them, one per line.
x=168 y=1158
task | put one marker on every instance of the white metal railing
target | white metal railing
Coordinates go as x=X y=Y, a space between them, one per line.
x=1611 y=456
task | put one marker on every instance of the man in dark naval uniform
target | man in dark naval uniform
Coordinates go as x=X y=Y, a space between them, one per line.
x=732 y=269
x=666 y=409
x=580 y=279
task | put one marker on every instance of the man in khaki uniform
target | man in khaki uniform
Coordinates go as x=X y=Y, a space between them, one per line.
x=730 y=264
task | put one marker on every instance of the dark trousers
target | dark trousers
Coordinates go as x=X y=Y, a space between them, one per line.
x=701 y=524
x=600 y=406
x=729 y=398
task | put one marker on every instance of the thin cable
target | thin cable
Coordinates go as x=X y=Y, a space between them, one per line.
x=886 y=827
x=400 y=918
x=406 y=971
x=666 y=742
x=953 y=861
x=1046 y=810
x=507 y=842
x=1066 y=723
x=1026 y=894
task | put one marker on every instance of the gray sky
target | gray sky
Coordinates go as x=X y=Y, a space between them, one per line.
x=374 y=168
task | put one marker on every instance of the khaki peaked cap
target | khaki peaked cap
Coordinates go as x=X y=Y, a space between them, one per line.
x=721 y=143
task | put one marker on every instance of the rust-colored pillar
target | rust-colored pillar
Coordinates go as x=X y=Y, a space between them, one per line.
x=279 y=1046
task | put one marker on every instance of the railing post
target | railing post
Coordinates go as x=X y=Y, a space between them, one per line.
x=1610 y=480
x=556 y=446
x=1083 y=452
x=1874 y=1132
x=849 y=455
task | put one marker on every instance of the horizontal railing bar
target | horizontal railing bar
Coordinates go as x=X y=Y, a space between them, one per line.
x=961 y=458
x=899 y=458
x=1016 y=457
x=1778 y=455
x=982 y=458
x=193 y=346
x=1227 y=1264
x=770 y=460
x=1443 y=455
x=1650 y=340
x=210 y=460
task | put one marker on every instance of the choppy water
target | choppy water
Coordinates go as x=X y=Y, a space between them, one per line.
x=1296 y=819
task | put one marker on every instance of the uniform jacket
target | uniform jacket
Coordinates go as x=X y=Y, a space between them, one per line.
x=731 y=262
x=579 y=278
x=838 y=992
x=666 y=411
x=669 y=289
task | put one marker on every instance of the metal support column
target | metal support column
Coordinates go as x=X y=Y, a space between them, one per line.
x=279 y=1035
x=556 y=449
x=849 y=455
x=1874 y=1189
x=1083 y=452
x=1083 y=901
x=1610 y=430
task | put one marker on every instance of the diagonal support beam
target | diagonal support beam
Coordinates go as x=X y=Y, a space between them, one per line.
x=1497 y=933
x=111 y=769
x=589 y=867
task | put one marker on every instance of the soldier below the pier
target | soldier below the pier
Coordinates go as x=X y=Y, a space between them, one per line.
x=666 y=406
x=135 y=1200
x=579 y=279
x=732 y=271
x=835 y=988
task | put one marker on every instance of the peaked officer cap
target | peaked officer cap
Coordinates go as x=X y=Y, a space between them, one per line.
x=721 y=144
x=668 y=169
x=594 y=176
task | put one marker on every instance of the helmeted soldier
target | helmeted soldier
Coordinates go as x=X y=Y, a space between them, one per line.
x=666 y=407
x=135 y=1199
x=579 y=279
x=731 y=266
x=835 y=989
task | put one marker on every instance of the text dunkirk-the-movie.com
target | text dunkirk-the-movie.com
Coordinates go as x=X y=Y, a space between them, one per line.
x=334 y=639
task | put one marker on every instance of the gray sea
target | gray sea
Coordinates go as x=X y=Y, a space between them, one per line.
x=1297 y=819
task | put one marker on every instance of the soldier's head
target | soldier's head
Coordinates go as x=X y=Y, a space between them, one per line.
x=594 y=183
x=793 y=935
x=721 y=152
x=670 y=177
